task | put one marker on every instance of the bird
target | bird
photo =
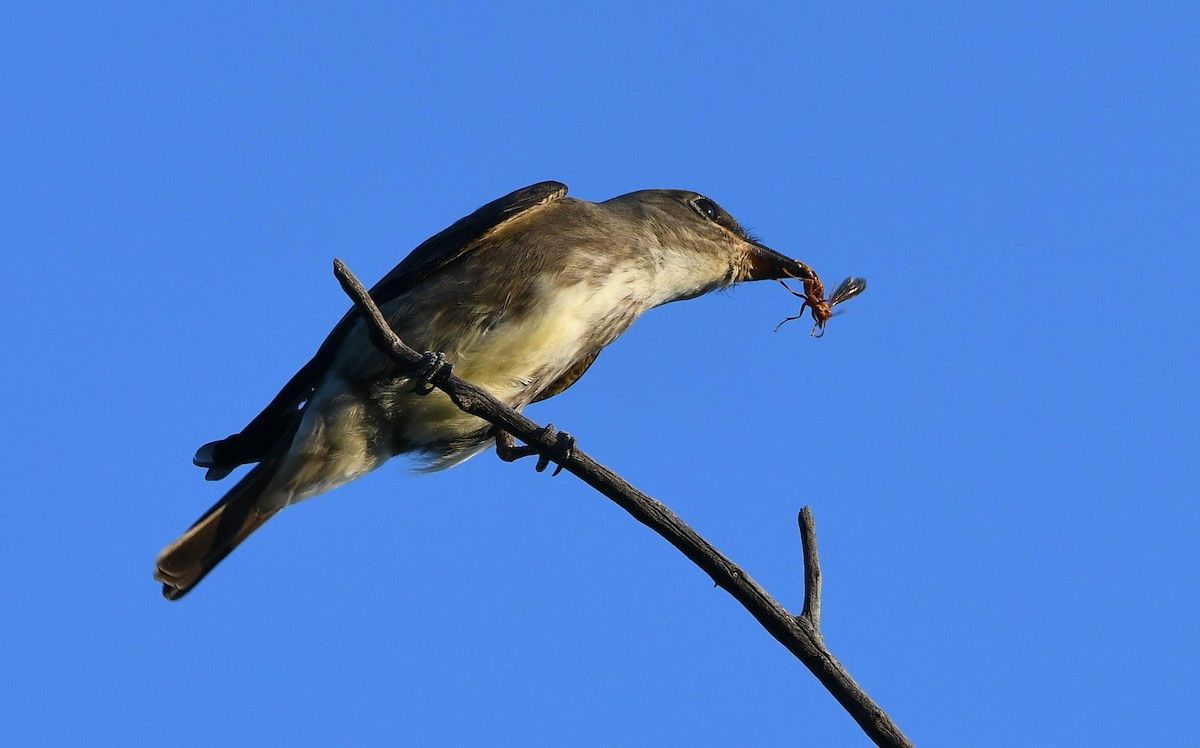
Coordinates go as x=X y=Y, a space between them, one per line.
x=520 y=297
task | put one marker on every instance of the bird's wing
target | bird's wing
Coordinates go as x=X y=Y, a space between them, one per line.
x=463 y=237
x=280 y=418
x=569 y=377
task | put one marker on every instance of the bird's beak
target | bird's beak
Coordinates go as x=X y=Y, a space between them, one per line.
x=763 y=263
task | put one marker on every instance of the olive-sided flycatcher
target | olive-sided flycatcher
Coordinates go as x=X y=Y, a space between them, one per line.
x=521 y=296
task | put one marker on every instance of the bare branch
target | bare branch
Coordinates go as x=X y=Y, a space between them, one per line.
x=799 y=634
x=812 y=570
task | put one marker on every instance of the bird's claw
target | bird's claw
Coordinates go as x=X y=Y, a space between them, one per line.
x=507 y=450
x=564 y=444
x=433 y=370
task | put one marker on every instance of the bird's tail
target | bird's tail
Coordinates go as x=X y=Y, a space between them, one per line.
x=182 y=564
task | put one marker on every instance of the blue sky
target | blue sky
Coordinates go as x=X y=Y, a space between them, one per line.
x=997 y=439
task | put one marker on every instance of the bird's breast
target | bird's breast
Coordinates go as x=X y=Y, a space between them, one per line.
x=539 y=340
x=514 y=346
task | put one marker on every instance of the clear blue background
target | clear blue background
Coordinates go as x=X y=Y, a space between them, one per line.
x=998 y=439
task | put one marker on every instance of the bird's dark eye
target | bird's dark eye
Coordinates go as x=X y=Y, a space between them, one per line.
x=705 y=207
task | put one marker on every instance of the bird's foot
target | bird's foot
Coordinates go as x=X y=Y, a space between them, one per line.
x=507 y=449
x=433 y=370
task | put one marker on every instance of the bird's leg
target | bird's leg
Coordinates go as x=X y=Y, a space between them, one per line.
x=507 y=449
x=434 y=370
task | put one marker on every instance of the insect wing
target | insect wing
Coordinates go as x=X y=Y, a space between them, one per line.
x=847 y=290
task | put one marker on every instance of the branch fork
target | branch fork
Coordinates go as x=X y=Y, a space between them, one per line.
x=801 y=634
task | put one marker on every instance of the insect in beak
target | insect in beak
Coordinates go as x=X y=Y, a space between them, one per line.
x=814 y=299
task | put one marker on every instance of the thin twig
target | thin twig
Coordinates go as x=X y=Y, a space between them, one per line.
x=812 y=570
x=800 y=634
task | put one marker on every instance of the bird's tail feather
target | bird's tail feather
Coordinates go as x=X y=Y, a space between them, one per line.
x=182 y=565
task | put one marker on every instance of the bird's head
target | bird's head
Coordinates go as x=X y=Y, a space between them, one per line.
x=701 y=247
